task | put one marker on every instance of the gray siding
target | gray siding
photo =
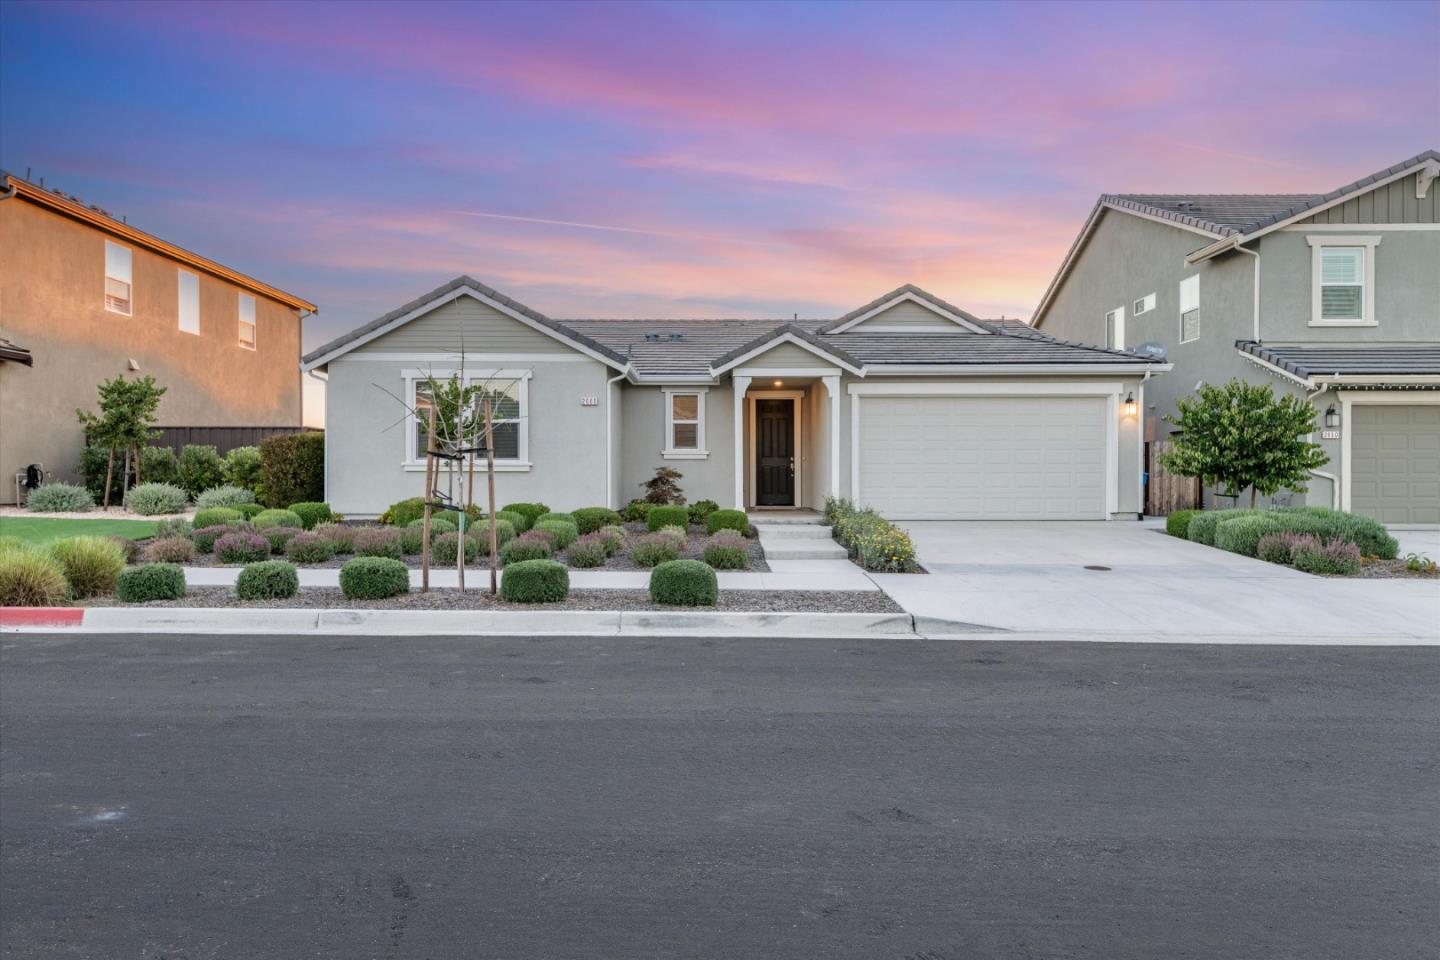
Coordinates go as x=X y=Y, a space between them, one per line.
x=787 y=355
x=909 y=314
x=479 y=327
x=1393 y=203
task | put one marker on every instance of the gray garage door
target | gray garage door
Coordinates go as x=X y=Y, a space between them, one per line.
x=983 y=458
x=1395 y=462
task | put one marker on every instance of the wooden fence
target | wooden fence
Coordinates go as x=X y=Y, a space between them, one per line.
x=1166 y=493
x=223 y=439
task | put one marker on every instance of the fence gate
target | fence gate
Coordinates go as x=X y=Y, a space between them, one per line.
x=1166 y=492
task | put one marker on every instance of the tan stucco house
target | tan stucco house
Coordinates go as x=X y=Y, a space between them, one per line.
x=88 y=297
x=909 y=404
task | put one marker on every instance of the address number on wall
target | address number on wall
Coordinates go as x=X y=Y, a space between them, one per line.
x=1329 y=434
x=589 y=401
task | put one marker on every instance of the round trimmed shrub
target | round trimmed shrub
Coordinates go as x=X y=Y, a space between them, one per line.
x=309 y=548
x=563 y=531
x=445 y=549
x=148 y=499
x=311 y=513
x=727 y=550
x=535 y=581
x=150 y=581
x=279 y=536
x=59 y=498
x=1202 y=525
x=1336 y=558
x=400 y=514
x=216 y=516
x=241 y=546
x=205 y=537
x=339 y=534
x=249 y=511
x=526 y=547
x=267 y=580
x=224 y=496
x=378 y=542
x=530 y=511
x=504 y=533
x=655 y=548
x=591 y=550
x=438 y=525
x=277 y=518
x=1242 y=534
x=615 y=538
x=1177 y=524
x=31 y=577
x=590 y=519
x=684 y=583
x=91 y=564
x=700 y=510
x=667 y=516
x=374 y=578
x=559 y=515
x=170 y=550
x=727 y=520
x=1369 y=535
x=518 y=521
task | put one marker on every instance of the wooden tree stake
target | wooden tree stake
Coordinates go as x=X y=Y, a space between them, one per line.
x=429 y=495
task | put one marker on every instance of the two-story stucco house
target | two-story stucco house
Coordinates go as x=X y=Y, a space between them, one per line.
x=1334 y=296
x=908 y=404
x=85 y=296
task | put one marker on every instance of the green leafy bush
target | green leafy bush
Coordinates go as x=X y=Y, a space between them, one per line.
x=59 y=498
x=701 y=509
x=535 y=581
x=438 y=525
x=1337 y=558
x=91 y=564
x=727 y=550
x=563 y=531
x=248 y=511
x=277 y=518
x=667 y=516
x=292 y=468
x=278 y=537
x=242 y=468
x=445 y=549
x=149 y=499
x=518 y=521
x=558 y=515
x=200 y=468
x=374 y=578
x=241 y=546
x=1203 y=524
x=403 y=513
x=590 y=519
x=636 y=511
x=1242 y=534
x=1178 y=523
x=1279 y=547
x=225 y=496
x=339 y=534
x=526 y=546
x=204 y=537
x=150 y=581
x=615 y=538
x=216 y=516
x=93 y=461
x=267 y=580
x=176 y=527
x=310 y=548
x=31 y=577
x=412 y=541
x=684 y=583
x=378 y=542
x=530 y=511
x=311 y=513
x=590 y=550
x=655 y=548
x=170 y=550
x=504 y=533
x=871 y=540
x=1369 y=535
x=727 y=520
x=158 y=465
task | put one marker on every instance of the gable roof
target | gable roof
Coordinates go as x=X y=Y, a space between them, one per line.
x=788 y=333
x=1318 y=364
x=900 y=294
x=1217 y=213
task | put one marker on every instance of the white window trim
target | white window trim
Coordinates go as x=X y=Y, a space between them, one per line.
x=1317 y=247
x=1143 y=305
x=670 y=451
x=129 y=283
x=180 y=276
x=241 y=322
x=1181 y=311
x=1119 y=314
x=413 y=462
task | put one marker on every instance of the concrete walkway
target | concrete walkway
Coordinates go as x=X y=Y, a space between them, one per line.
x=851 y=578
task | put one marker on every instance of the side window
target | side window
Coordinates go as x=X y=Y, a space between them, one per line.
x=1144 y=305
x=117 y=278
x=189 y=294
x=684 y=423
x=1190 y=309
x=247 y=321
x=1115 y=329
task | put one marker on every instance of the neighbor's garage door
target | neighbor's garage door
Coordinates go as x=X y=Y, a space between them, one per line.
x=983 y=458
x=1395 y=462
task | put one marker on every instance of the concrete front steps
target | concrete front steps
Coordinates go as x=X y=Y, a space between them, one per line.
x=795 y=536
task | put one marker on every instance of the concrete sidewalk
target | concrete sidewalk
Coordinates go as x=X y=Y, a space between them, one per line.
x=843 y=576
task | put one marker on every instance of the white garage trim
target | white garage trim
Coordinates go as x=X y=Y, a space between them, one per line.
x=1348 y=398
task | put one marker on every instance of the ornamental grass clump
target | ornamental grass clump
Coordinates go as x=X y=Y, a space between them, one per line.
x=675 y=532
x=267 y=580
x=655 y=548
x=170 y=550
x=241 y=546
x=277 y=518
x=684 y=583
x=374 y=578
x=31 y=577
x=149 y=499
x=1280 y=546
x=1336 y=558
x=59 y=498
x=727 y=550
x=342 y=536
x=311 y=512
x=224 y=496
x=564 y=532
x=279 y=536
x=217 y=516
x=91 y=564
x=204 y=537
x=527 y=546
x=590 y=519
x=378 y=542
x=727 y=520
x=310 y=548
x=131 y=548
x=590 y=550
x=150 y=581
x=535 y=581
x=667 y=516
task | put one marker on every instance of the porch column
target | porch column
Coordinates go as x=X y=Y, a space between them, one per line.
x=832 y=390
x=740 y=385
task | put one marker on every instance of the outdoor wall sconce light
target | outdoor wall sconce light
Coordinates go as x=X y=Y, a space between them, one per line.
x=1130 y=405
x=779 y=383
x=1332 y=418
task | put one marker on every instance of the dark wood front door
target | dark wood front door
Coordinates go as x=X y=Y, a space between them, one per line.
x=775 y=452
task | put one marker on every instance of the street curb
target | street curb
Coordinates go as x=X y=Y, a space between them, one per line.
x=40 y=616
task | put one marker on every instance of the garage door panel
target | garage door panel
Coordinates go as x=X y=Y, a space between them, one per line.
x=983 y=457
x=1395 y=462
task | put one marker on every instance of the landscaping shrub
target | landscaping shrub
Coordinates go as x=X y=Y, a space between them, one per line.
x=871 y=540
x=1279 y=546
x=1369 y=535
x=177 y=527
x=311 y=513
x=664 y=487
x=200 y=468
x=667 y=516
x=701 y=509
x=727 y=520
x=157 y=465
x=518 y=521
x=278 y=536
x=559 y=515
x=1242 y=534
x=292 y=468
x=216 y=516
x=241 y=546
x=31 y=577
x=530 y=511
x=93 y=461
x=563 y=531
x=684 y=583
x=438 y=525
x=277 y=518
x=149 y=499
x=504 y=533
x=405 y=512
x=590 y=519
x=204 y=537
x=310 y=548
x=615 y=538
x=59 y=498
x=590 y=550
x=535 y=581
x=544 y=536
x=727 y=550
x=412 y=541
x=225 y=496
x=170 y=550
x=1178 y=523
x=1337 y=558
x=374 y=578
x=636 y=511
x=242 y=467
x=1202 y=525
x=267 y=580
x=655 y=548
x=91 y=564
x=445 y=549
x=150 y=581
x=675 y=532
x=527 y=546
x=248 y=511
x=131 y=548
x=377 y=542
x=339 y=534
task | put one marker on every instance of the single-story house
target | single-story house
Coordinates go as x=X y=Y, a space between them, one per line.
x=908 y=404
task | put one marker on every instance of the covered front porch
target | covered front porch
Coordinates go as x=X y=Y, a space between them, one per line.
x=787 y=445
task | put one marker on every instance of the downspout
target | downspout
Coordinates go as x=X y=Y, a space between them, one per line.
x=1310 y=438
x=609 y=443
x=1140 y=439
x=6 y=195
x=1255 y=309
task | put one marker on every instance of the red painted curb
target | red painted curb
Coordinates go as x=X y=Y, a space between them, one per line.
x=41 y=616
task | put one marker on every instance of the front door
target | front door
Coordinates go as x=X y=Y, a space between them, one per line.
x=775 y=452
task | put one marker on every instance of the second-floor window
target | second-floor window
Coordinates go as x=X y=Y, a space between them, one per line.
x=1190 y=309
x=117 y=278
x=1342 y=281
x=1115 y=329
x=189 y=302
x=247 y=321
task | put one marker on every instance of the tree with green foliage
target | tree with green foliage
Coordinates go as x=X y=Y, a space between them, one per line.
x=1241 y=435
x=128 y=411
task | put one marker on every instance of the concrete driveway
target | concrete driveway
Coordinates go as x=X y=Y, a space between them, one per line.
x=1032 y=577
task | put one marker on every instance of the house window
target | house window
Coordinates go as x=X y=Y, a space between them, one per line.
x=1342 y=281
x=508 y=394
x=117 y=278
x=684 y=423
x=247 y=321
x=1145 y=304
x=1190 y=309
x=189 y=288
x=1115 y=329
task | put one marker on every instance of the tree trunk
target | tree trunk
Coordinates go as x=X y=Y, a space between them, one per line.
x=138 y=481
x=1252 y=498
x=109 y=476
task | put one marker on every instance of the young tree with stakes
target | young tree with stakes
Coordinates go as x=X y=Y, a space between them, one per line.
x=127 y=414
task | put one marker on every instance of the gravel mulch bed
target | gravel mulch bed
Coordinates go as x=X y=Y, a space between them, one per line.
x=755 y=601
x=1391 y=570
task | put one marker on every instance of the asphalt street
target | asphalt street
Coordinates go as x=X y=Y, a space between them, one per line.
x=257 y=797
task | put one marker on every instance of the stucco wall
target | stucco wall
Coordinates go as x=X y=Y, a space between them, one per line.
x=711 y=478
x=465 y=323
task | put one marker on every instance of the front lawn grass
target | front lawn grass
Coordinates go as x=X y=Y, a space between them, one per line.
x=46 y=529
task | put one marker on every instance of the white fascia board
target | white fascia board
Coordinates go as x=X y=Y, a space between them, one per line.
x=989 y=389
x=1277 y=371
x=664 y=379
x=1361 y=379
x=1009 y=369
x=786 y=338
x=912 y=297
x=760 y=373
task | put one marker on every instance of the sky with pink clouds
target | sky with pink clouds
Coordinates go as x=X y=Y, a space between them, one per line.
x=668 y=160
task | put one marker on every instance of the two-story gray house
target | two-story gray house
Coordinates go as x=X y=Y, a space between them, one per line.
x=1333 y=296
